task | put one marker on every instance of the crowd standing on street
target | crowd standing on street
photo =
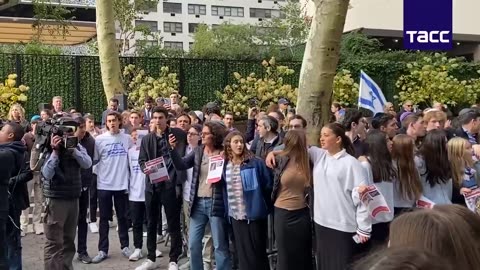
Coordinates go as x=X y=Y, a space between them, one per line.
x=259 y=199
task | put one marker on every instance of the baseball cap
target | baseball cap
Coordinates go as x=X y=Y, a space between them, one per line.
x=283 y=101
x=199 y=115
x=35 y=118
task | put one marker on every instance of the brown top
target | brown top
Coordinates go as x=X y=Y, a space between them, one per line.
x=204 y=189
x=291 y=194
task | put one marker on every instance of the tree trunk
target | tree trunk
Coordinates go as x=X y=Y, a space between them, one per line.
x=319 y=64
x=107 y=49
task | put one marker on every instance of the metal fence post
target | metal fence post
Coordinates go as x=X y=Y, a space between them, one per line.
x=181 y=85
x=76 y=83
x=225 y=74
x=18 y=68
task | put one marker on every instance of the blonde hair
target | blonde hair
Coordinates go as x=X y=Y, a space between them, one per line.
x=458 y=158
x=20 y=109
x=435 y=114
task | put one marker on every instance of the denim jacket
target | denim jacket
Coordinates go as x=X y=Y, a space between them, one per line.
x=257 y=183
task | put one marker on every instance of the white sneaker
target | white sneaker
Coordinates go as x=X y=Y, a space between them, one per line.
x=93 y=227
x=172 y=266
x=136 y=255
x=158 y=253
x=146 y=265
x=144 y=234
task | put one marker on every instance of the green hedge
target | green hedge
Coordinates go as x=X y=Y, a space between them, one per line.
x=78 y=80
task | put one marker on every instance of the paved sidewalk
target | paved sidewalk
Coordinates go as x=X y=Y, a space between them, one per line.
x=33 y=254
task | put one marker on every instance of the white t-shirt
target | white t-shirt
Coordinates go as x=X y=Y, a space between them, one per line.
x=136 y=190
x=187 y=186
x=111 y=152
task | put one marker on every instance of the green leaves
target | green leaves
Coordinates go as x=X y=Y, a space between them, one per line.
x=432 y=79
x=266 y=90
x=142 y=86
x=345 y=89
x=10 y=94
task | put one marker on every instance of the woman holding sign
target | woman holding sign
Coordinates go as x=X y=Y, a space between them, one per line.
x=380 y=173
x=247 y=188
x=206 y=195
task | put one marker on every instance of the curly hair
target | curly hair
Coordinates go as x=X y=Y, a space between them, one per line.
x=218 y=132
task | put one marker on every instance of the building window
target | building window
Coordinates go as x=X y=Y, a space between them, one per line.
x=172 y=8
x=266 y=13
x=173 y=45
x=190 y=45
x=148 y=43
x=149 y=7
x=197 y=9
x=172 y=27
x=227 y=11
x=152 y=25
x=192 y=27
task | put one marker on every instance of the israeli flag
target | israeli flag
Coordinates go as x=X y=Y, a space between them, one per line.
x=370 y=96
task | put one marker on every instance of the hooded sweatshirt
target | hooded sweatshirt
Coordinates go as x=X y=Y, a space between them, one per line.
x=11 y=160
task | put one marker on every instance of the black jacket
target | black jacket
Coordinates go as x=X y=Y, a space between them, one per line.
x=12 y=156
x=18 y=187
x=87 y=174
x=148 y=151
x=194 y=159
x=261 y=148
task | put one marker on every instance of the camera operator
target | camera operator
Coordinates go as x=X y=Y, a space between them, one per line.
x=62 y=186
x=12 y=156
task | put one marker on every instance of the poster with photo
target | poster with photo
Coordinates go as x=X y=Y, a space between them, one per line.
x=472 y=200
x=215 y=169
x=140 y=135
x=424 y=202
x=156 y=170
x=374 y=201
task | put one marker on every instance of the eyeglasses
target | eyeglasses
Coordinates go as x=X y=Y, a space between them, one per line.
x=204 y=134
x=192 y=134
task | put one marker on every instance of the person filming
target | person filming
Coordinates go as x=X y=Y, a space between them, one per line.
x=62 y=186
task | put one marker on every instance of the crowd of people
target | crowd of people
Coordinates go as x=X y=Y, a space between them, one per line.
x=278 y=203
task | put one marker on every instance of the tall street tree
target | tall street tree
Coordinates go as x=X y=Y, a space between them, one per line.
x=319 y=64
x=107 y=49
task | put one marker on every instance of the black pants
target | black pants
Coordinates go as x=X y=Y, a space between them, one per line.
x=172 y=204
x=137 y=211
x=93 y=199
x=3 y=240
x=120 y=199
x=294 y=239
x=335 y=249
x=251 y=244
x=82 y=222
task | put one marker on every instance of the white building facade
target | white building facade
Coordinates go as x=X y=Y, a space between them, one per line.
x=384 y=19
x=176 y=20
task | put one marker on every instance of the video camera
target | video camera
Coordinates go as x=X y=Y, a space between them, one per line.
x=60 y=126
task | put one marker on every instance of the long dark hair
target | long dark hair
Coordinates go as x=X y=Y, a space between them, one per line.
x=218 y=132
x=435 y=154
x=339 y=131
x=379 y=157
x=408 y=178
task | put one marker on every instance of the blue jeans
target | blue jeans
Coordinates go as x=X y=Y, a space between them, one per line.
x=200 y=216
x=14 y=243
